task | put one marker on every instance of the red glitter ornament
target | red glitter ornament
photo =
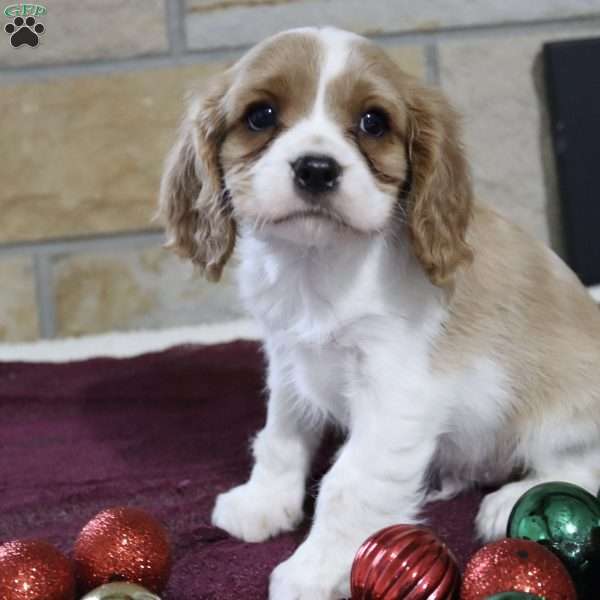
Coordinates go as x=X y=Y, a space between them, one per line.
x=516 y=565
x=32 y=570
x=123 y=544
x=404 y=561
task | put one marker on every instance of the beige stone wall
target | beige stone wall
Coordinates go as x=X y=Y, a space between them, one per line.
x=86 y=118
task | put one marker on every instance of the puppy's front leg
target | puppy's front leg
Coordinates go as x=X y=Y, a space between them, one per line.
x=271 y=500
x=376 y=481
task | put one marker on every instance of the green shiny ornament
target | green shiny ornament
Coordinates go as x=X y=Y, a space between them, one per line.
x=120 y=591
x=566 y=519
x=514 y=596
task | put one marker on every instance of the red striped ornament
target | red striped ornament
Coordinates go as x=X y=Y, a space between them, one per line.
x=404 y=562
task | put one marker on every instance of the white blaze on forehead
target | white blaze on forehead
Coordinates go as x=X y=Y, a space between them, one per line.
x=318 y=132
x=337 y=45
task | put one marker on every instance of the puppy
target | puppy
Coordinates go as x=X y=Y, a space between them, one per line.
x=448 y=344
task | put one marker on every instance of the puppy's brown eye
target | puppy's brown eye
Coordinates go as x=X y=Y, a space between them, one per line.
x=261 y=117
x=374 y=123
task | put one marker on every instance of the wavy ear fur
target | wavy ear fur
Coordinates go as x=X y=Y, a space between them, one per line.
x=193 y=202
x=441 y=197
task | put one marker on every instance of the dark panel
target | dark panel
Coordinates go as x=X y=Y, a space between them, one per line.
x=572 y=72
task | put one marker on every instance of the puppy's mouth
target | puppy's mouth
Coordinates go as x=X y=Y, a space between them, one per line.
x=311 y=213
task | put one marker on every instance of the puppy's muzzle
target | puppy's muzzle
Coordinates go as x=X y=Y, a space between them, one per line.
x=316 y=175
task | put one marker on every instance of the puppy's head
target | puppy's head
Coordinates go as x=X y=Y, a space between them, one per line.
x=314 y=136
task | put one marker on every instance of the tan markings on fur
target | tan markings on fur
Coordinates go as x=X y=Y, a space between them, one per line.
x=369 y=82
x=214 y=138
x=198 y=222
x=285 y=73
x=440 y=203
x=439 y=206
x=516 y=293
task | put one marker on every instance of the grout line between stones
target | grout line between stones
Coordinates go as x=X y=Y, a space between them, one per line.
x=44 y=288
x=432 y=64
x=180 y=56
x=491 y=30
x=175 y=15
x=52 y=72
x=51 y=248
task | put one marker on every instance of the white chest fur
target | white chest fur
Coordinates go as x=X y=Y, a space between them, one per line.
x=323 y=308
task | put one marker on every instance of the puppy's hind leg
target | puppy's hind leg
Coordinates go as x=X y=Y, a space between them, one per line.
x=582 y=470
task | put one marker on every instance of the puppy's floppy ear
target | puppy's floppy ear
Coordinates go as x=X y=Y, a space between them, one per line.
x=193 y=201
x=441 y=197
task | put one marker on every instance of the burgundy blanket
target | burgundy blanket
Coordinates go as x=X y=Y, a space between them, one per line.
x=165 y=432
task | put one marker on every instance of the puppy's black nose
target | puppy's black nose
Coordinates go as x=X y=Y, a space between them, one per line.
x=316 y=174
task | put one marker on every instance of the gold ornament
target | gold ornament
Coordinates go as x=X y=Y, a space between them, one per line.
x=120 y=591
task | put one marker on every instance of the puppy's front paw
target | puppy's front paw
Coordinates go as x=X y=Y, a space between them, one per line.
x=495 y=509
x=311 y=575
x=254 y=512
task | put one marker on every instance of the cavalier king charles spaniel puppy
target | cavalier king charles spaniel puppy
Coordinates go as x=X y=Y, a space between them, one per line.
x=451 y=348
